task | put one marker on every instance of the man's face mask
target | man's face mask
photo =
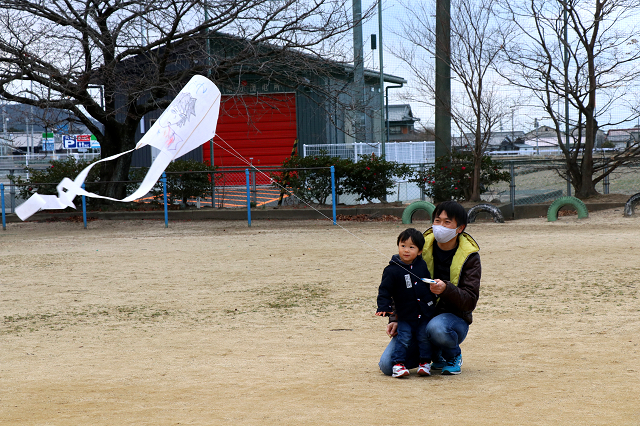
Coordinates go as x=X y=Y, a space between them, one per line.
x=444 y=234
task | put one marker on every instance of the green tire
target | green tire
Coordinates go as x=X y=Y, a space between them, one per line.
x=407 y=214
x=581 y=208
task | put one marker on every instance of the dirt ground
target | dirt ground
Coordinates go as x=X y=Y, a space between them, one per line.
x=216 y=323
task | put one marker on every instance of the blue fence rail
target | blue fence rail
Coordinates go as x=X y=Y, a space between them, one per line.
x=532 y=182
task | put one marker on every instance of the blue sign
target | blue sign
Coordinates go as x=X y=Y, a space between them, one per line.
x=76 y=141
x=68 y=142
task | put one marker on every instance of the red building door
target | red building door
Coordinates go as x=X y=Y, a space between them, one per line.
x=262 y=127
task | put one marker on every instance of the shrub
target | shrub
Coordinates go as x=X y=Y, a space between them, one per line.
x=451 y=176
x=136 y=175
x=373 y=177
x=311 y=179
x=185 y=179
x=45 y=181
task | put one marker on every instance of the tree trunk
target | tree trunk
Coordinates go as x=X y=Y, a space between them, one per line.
x=115 y=172
x=585 y=187
x=115 y=188
x=475 y=180
x=478 y=152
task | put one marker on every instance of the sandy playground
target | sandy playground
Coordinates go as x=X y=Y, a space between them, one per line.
x=215 y=323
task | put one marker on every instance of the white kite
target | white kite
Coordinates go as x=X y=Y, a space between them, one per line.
x=188 y=122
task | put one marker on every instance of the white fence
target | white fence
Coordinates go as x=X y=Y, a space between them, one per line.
x=400 y=152
x=33 y=160
x=541 y=152
x=15 y=164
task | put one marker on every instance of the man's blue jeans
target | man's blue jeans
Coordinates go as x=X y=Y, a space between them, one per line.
x=445 y=333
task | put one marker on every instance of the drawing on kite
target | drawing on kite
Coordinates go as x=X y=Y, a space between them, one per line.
x=196 y=87
x=178 y=115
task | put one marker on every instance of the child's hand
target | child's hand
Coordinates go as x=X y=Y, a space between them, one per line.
x=392 y=328
x=383 y=314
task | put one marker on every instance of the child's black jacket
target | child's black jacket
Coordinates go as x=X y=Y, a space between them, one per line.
x=411 y=296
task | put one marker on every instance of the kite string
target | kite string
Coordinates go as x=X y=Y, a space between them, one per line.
x=236 y=154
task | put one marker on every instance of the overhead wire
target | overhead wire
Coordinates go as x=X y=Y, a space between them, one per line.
x=239 y=156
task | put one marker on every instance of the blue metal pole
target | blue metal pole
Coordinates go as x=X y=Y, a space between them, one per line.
x=164 y=190
x=333 y=193
x=246 y=172
x=84 y=209
x=4 y=219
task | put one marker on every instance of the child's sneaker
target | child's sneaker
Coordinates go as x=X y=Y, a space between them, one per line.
x=399 y=370
x=424 y=369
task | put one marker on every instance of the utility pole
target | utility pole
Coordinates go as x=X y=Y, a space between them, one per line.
x=566 y=91
x=535 y=124
x=27 y=129
x=443 y=78
x=143 y=42
x=512 y=127
x=5 y=142
x=382 y=120
x=358 y=77
x=208 y=44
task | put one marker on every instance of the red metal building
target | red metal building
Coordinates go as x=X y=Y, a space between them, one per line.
x=258 y=128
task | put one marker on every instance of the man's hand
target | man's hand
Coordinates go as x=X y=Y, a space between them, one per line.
x=438 y=287
x=392 y=328
x=383 y=314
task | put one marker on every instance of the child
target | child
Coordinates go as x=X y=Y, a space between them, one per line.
x=402 y=287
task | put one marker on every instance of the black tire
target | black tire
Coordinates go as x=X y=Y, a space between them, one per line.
x=629 y=207
x=581 y=208
x=407 y=214
x=489 y=208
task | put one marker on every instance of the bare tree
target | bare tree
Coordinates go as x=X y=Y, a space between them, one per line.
x=596 y=66
x=140 y=53
x=478 y=108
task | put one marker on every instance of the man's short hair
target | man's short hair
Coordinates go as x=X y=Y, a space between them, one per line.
x=454 y=210
x=416 y=237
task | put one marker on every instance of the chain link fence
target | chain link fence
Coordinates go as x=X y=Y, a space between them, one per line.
x=544 y=180
x=532 y=182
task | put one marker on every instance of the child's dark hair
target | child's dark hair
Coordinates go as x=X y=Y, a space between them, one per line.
x=416 y=237
x=453 y=210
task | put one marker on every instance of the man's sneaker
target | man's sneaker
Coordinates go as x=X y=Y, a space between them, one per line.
x=399 y=370
x=424 y=369
x=438 y=363
x=453 y=366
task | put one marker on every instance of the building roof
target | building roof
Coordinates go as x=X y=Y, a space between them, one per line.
x=522 y=146
x=495 y=140
x=21 y=140
x=622 y=135
x=375 y=75
x=401 y=112
x=542 y=131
